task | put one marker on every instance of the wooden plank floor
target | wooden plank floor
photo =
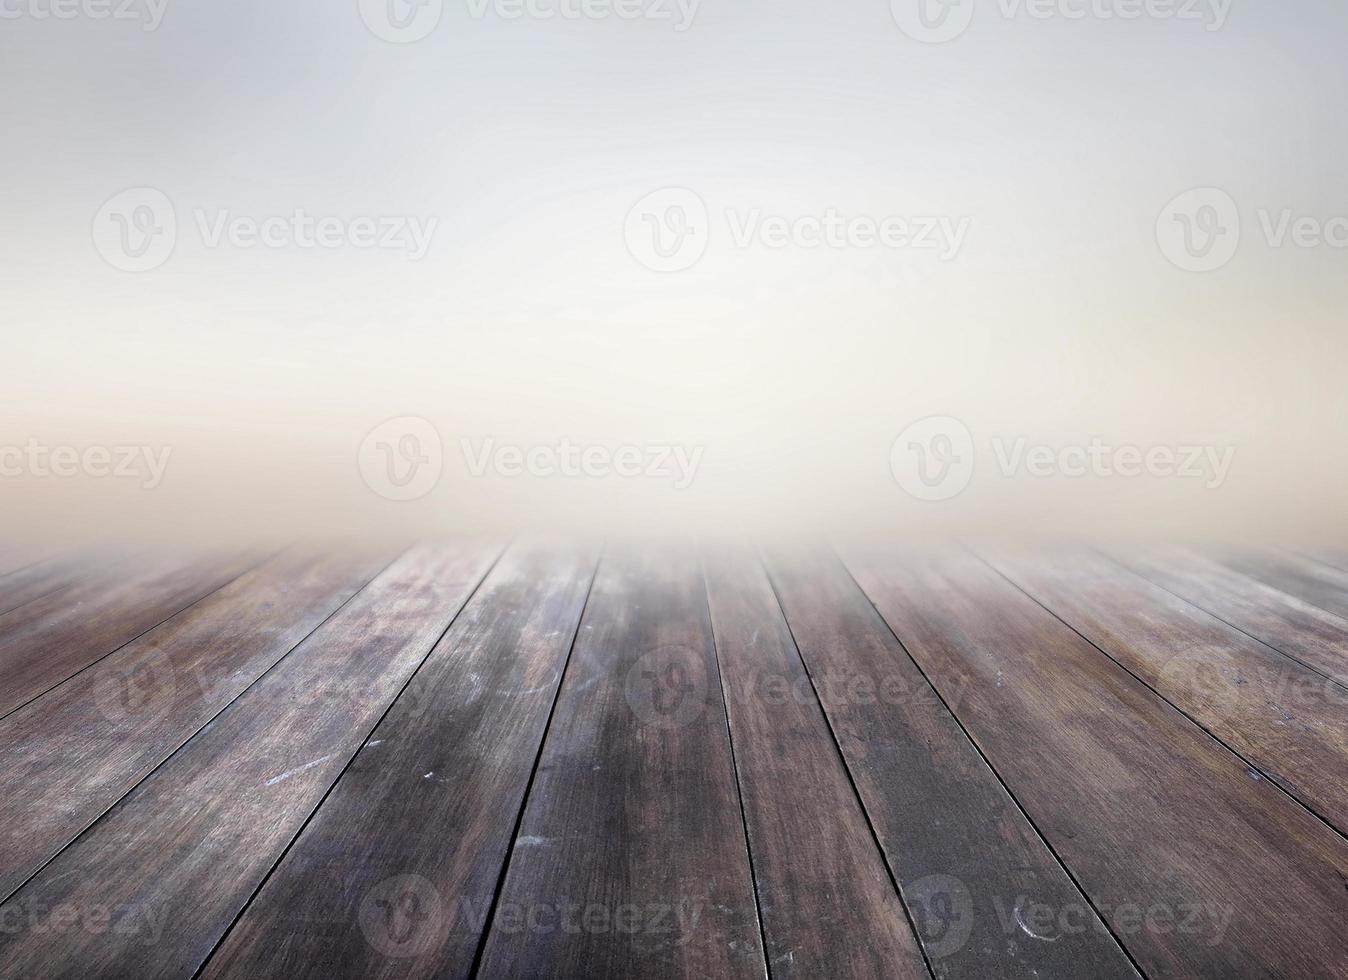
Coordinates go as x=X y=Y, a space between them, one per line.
x=552 y=759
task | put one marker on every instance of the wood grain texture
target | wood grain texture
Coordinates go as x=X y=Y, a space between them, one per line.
x=395 y=875
x=72 y=753
x=43 y=578
x=1203 y=870
x=1298 y=629
x=46 y=641
x=1287 y=719
x=631 y=859
x=968 y=861
x=1307 y=579
x=177 y=859
x=829 y=906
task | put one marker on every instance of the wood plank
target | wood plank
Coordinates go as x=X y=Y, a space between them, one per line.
x=44 y=578
x=631 y=859
x=967 y=859
x=423 y=818
x=1298 y=629
x=1287 y=719
x=46 y=641
x=1203 y=870
x=1307 y=579
x=72 y=753
x=829 y=906
x=175 y=861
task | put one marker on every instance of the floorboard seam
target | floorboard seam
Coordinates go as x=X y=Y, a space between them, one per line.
x=998 y=776
x=1182 y=713
x=319 y=805
x=1226 y=622
x=168 y=758
x=529 y=783
x=735 y=766
x=178 y=612
x=851 y=781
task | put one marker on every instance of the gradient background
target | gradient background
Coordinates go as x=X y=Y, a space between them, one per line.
x=529 y=320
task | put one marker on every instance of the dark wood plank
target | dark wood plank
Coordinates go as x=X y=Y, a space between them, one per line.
x=73 y=752
x=967 y=859
x=46 y=641
x=828 y=903
x=1309 y=580
x=1287 y=719
x=631 y=859
x=1302 y=631
x=175 y=861
x=396 y=873
x=1203 y=869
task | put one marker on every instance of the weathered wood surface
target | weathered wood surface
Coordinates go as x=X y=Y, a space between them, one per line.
x=1202 y=868
x=396 y=873
x=178 y=858
x=967 y=860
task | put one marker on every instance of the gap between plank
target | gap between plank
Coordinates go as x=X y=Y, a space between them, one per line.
x=168 y=758
x=998 y=776
x=349 y=762
x=1193 y=721
x=529 y=784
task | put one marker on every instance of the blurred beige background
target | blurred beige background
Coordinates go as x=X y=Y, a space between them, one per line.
x=552 y=309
